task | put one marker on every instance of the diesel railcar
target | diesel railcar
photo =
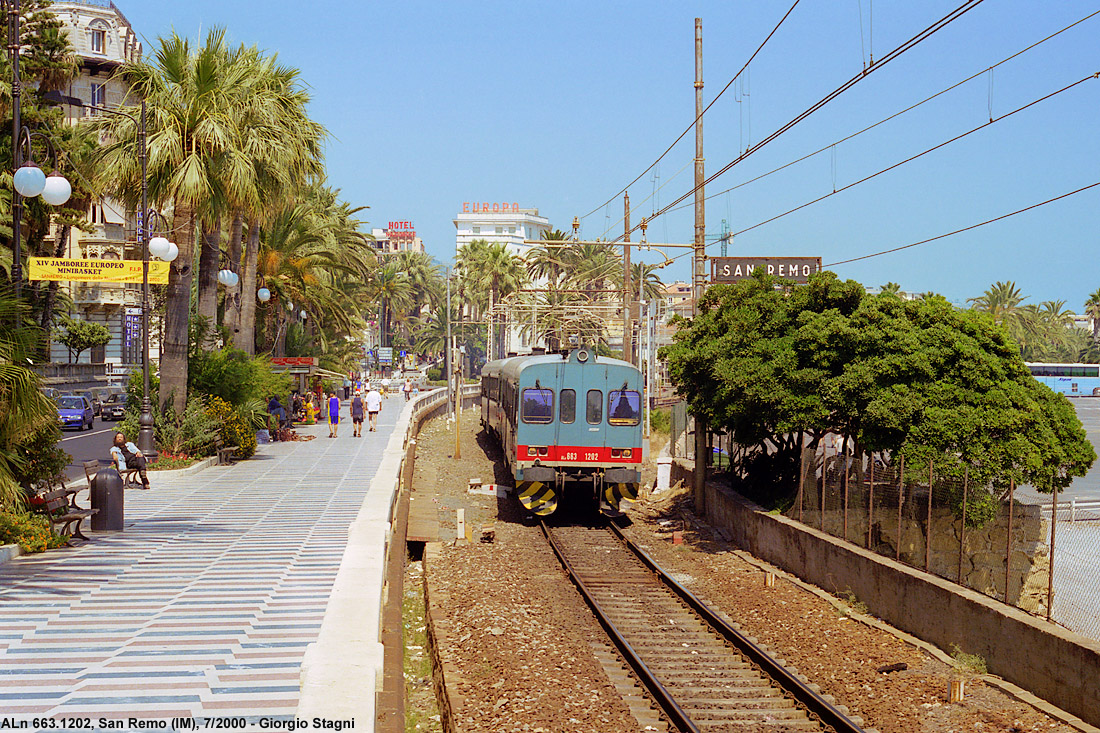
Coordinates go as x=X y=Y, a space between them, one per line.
x=567 y=423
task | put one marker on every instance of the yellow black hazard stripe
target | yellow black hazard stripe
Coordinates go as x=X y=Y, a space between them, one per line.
x=537 y=497
x=613 y=493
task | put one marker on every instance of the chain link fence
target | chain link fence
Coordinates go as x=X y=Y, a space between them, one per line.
x=1038 y=554
x=1007 y=549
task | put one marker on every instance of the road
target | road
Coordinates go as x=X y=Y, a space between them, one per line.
x=1087 y=487
x=86 y=446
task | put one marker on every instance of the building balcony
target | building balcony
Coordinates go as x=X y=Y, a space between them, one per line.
x=105 y=294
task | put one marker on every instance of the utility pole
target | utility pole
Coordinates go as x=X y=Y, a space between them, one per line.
x=628 y=333
x=699 y=478
x=448 y=350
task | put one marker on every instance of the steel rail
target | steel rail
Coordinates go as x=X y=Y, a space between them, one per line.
x=677 y=716
x=828 y=714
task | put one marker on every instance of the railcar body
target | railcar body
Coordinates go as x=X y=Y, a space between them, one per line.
x=571 y=420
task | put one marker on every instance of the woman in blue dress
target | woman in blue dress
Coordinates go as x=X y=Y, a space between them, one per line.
x=333 y=414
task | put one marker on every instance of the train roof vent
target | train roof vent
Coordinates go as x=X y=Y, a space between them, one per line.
x=538 y=350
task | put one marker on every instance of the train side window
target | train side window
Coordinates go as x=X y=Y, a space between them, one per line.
x=538 y=405
x=568 y=411
x=594 y=408
x=624 y=407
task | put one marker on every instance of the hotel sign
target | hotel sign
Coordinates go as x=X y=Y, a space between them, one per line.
x=401 y=230
x=732 y=269
x=485 y=207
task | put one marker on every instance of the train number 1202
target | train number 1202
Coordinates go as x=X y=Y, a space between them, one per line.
x=575 y=457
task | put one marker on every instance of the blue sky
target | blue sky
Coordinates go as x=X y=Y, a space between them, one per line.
x=558 y=105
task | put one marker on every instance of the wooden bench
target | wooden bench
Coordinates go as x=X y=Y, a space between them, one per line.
x=225 y=453
x=58 y=506
x=130 y=477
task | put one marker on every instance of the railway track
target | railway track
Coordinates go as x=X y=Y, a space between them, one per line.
x=703 y=674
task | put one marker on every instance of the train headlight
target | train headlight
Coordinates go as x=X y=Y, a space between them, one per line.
x=532 y=451
x=582 y=355
x=627 y=452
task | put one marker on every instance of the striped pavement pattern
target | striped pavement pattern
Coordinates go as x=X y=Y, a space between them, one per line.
x=204 y=605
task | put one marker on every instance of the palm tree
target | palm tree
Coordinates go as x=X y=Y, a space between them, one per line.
x=890 y=287
x=189 y=91
x=1092 y=310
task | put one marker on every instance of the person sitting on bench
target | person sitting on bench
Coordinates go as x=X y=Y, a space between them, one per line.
x=127 y=457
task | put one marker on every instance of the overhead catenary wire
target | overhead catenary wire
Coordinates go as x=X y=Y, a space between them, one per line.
x=964 y=229
x=899 y=113
x=911 y=158
x=892 y=55
x=696 y=120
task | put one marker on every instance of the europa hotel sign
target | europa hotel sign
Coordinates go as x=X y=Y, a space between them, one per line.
x=484 y=207
x=732 y=269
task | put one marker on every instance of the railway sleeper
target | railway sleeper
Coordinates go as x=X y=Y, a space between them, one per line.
x=733 y=686
x=770 y=725
x=754 y=705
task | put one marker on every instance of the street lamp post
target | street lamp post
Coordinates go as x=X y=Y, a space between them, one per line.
x=164 y=249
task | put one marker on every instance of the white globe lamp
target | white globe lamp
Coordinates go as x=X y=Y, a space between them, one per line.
x=173 y=252
x=56 y=190
x=29 y=180
x=263 y=295
x=159 y=247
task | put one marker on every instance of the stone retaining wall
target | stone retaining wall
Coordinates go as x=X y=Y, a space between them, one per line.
x=1049 y=661
x=983 y=556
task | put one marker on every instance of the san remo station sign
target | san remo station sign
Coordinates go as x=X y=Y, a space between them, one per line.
x=732 y=269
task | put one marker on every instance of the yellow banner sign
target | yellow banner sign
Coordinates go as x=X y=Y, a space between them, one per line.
x=104 y=271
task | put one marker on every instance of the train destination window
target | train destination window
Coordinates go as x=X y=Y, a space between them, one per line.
x=568 y=411
x=594 y=408
x=538 y=405
x=624 y=407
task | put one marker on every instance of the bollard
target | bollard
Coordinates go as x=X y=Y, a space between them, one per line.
x=107 y=496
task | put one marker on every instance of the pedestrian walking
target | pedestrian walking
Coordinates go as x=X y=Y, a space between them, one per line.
x=347 y=388
x=127 y=457
x=333 y=413
x=407 y=389
x=357 y=408
x=374 y=406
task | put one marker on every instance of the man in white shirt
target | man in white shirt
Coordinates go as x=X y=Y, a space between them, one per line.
x=374 y=406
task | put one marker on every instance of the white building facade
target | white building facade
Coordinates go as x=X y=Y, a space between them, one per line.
x=103 y=40
x=504 y=222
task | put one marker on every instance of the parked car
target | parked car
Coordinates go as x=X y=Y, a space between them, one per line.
x=114 y=407
x=75 y=411
x=93 y=399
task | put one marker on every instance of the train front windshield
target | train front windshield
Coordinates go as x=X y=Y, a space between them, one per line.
x=624 y=407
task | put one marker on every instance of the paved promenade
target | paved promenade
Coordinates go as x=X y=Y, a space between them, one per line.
x=204 y=605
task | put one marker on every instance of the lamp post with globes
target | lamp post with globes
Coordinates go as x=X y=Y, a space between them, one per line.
x=146 y=441
x=160 y=247
x=27 y=179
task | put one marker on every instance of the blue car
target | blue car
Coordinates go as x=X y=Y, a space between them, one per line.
x=75 y=411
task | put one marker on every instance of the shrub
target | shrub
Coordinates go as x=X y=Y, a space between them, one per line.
x=235 y=429
x=193 y=432
x=660 y=421
x=434 y=374
x=235 y=377
x=31 y=532
x=41 y=457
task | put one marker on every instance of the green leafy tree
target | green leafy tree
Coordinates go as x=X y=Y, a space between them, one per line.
x=80 y=336
x=780 y=367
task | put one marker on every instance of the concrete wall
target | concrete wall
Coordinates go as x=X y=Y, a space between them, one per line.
x=1049 y=661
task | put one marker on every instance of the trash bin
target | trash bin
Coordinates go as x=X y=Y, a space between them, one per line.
x=107 y=497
